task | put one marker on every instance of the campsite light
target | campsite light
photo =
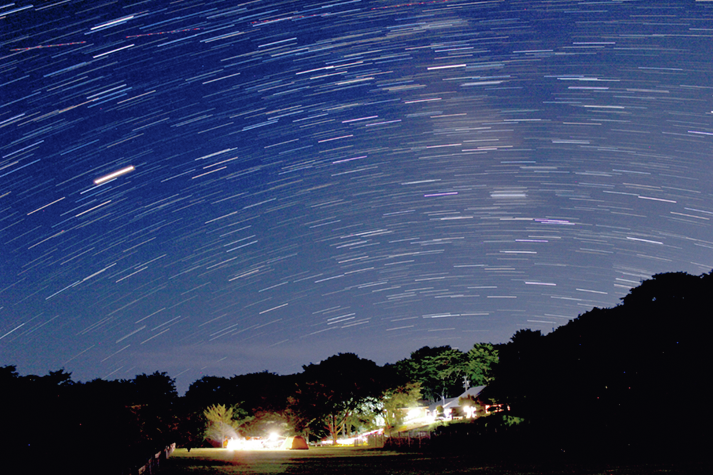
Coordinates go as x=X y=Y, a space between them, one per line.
x=252 y=444
x=273 y=441
x=233 y=444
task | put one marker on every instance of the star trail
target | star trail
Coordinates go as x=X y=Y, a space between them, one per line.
x=222 y=187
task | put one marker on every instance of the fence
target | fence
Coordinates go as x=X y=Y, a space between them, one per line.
x=154 y=463
x=413 y=439
x=376 y=440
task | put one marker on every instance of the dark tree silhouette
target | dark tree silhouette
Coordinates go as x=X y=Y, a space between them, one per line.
x=617 y=379
x=332 y=391
x=440 y=371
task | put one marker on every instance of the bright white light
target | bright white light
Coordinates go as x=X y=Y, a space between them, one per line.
x=113 y=175
x=249 y=444
x=273 y=441
x=252 y=444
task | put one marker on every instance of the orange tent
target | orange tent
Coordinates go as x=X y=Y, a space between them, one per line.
x=295 y=443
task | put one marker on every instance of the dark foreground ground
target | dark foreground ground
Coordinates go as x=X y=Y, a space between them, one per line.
x=362 y=461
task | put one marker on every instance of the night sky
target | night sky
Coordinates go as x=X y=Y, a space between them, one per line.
x=217 y=188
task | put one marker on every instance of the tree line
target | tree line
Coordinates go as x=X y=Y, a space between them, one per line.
x=341 y=395
x=625 y=378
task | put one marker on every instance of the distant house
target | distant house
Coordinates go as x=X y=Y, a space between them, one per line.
x=450 y=408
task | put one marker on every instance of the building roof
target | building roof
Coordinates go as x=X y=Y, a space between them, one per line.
x=452 y=402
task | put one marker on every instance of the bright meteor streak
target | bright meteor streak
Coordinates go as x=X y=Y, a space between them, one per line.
x=113 y=175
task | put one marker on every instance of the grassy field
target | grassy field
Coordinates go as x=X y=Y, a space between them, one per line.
x=363 y=461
